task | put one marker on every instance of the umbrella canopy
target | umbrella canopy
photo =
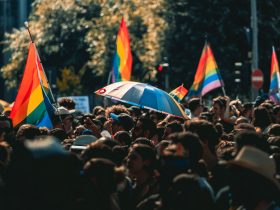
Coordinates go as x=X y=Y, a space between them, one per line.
x=144 y=96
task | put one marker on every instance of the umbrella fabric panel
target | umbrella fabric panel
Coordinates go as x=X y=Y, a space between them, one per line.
x=134 y=94
x=149 y=98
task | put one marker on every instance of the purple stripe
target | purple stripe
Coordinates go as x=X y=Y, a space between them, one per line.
x=211 y=86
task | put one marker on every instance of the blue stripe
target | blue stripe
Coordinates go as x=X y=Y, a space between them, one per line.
x=116 y=66
x=274 y=84
x=45 y=122
x=210 y=79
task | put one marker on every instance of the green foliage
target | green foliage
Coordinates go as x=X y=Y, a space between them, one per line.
x=80 y=35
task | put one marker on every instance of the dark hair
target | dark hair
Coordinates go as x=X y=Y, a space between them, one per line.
x=194 y=103
x=147 y=153
x=206 y=132
x=97 y=109
x=261 y=117
x=123 y=137
x=251 y=138
x=59 y=133
x=97 y=150
x=143 y=140
x=27 y=131
x=274 y=130
x=66 y=102
x=188 y=191
x=191 y=143
x=175 y=127
x=221 y=101
x=148 y=125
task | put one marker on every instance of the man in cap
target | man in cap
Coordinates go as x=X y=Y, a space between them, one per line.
x=121 y=122
x=253 y=180
x=63 y=118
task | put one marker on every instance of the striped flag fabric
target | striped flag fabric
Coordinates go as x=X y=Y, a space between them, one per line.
x=274 y=78
x=122 y=63
x=207 y=75
x=32 y=104
x=179 y=93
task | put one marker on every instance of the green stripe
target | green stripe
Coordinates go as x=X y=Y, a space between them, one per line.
x=37 y=115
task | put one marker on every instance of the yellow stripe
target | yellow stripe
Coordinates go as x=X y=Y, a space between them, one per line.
x=35 y=99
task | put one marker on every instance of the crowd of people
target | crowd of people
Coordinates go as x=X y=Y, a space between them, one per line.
x=223 y=157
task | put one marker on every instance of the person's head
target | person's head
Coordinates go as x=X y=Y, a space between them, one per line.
x=245 y=126
x=102 y=175
x=261 y=117
x=276 y=114
x=27 y=131
x=121 y=122
x=135 y=112
x=98 y=111
x=116 y=109
x=250 y=138
x=219 y=105
x=172 y=127
x=123 y=138
x=66 y=102
x=192 y=146
x=241 y=119
x=189 y=191
x=252 y=178
x=206 y=132
x=144 y=127
x=6 y=126
x=195 y=106
x=274 y=130
x=247 y=110
x=96 y=150
x=58 y=133
x=47 y=172
x=141 y=159
x=63 y=118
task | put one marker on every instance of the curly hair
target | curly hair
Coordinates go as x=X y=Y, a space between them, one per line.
x=116 y=109
x=68 y=103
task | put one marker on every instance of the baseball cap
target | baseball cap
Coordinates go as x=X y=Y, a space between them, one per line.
x=63 y=111
x=124 y=120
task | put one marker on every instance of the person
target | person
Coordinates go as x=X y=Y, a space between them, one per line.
x=67 y=102
x=261 y=119
x=252 y=180
x=144 y=127
x=141 y=165
x=123 y=137
x=195 y=107
x=248 y=111
x=121 y=122
x=276 y=114
x=188 y=191
x=172 y=127
x=221 y=110
x=102 y=177
x=63 y=119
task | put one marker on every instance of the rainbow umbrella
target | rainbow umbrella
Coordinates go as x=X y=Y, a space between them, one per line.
x=143 y=96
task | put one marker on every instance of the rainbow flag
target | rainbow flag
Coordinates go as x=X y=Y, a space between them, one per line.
x=32 y=104
x=207 y=75
x=179 y=93
x=274 y=78
x=123 y=59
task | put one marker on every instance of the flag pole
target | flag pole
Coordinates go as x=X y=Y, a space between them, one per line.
x=55 y=102
x=31 y=39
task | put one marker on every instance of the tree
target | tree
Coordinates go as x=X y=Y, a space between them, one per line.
x=80 y=35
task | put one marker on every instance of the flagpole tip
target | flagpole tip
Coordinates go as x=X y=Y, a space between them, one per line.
x=26 y=24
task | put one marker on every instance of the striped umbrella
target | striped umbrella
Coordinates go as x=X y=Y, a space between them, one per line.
x=144 y=96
